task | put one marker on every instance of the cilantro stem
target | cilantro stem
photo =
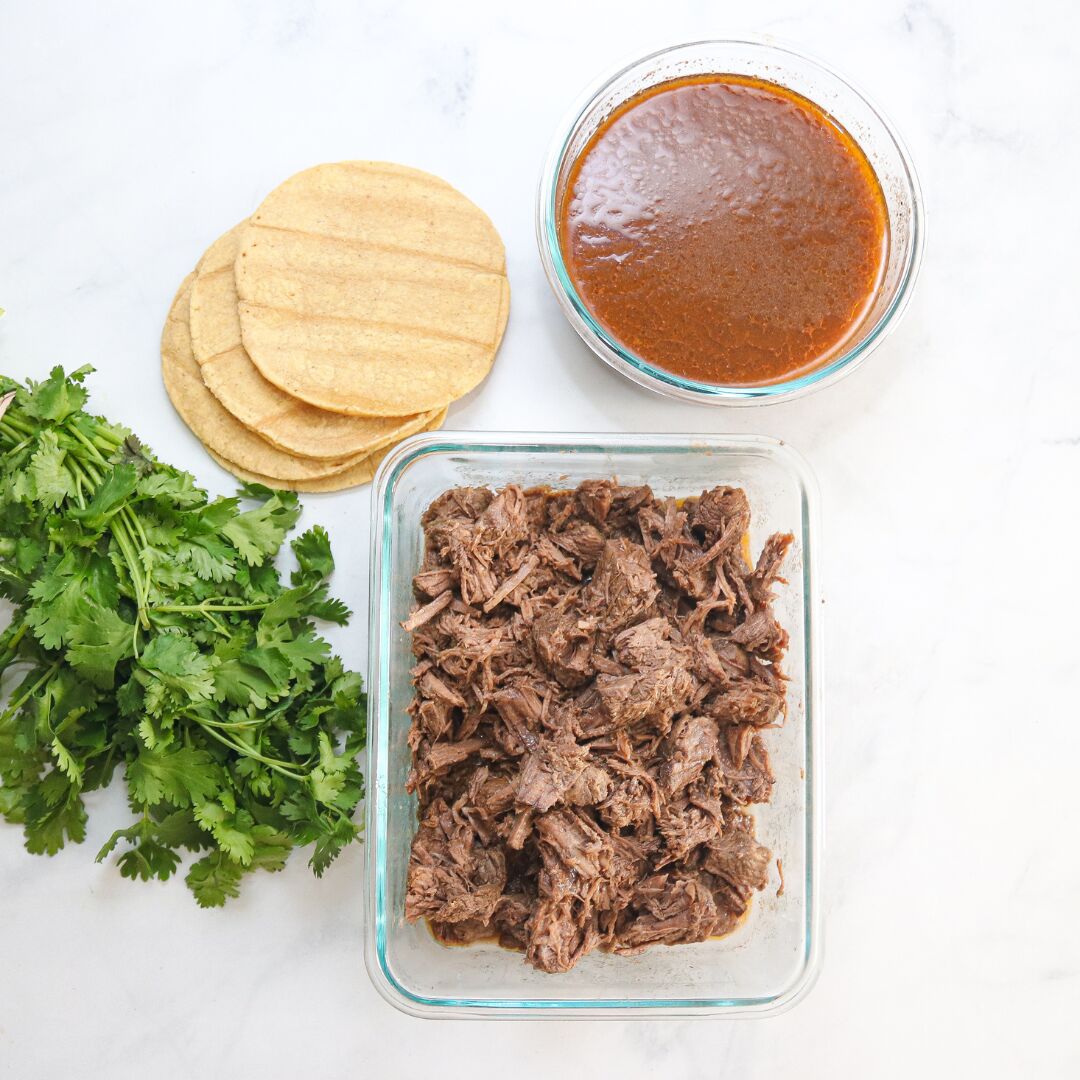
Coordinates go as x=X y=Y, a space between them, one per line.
x=88 y=444
x=104 y=441
x=250 y=752
x=12 y=645
x=19 y=423
x=16 y=705
x=217 y=624
x=19 y=446
x=131 y=559
x=180 y=608
x=80 y=489
x=135 y=525
x=71 y=718
x=17 y=427
x=232 y=723
x=122 y=531
x=133 y=521
x=138 y=580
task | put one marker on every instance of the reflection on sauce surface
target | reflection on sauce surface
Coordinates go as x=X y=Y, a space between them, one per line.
x=725 y=229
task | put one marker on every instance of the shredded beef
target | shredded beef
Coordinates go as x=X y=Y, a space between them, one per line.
x=595 y=672
x=549 y=771
x=563 y=642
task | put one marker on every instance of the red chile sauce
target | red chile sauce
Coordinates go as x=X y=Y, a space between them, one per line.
x=725 y=229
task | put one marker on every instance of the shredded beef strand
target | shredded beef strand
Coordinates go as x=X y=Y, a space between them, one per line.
x=427 y=612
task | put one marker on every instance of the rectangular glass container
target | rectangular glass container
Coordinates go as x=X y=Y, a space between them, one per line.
x=771 y=959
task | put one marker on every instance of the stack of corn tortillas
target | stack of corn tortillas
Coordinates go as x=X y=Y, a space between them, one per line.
x=345 y=314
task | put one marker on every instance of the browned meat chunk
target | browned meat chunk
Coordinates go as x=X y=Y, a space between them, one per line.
x=684 y=828
x=504 y=525
x=563 y=642
x=454 y=507
x=767 y=572
x=451 y=879
x=493 y=796
x=761 y=634
x=551 y=554
x=434 y=582
x=737 y=858
x=609 y=505
x=581 y=540
x=520 y=708
x=511 y=920
x=623 y=589
x=595 y=497
x=629 y=864
x=647 y=645
x=693 y=742
x=750 y=782
x=559 y=934
x=633 y=801
x=716 y=511
x=660 y=682
x=575 y=852
x=747 y=701
x=549 y=771
x=674 y=909
x=441 y=756
x=592 y=786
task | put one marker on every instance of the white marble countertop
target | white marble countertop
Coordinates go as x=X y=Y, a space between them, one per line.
x=949 y=466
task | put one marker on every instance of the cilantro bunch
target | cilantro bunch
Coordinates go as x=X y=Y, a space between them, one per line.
x=152 y=635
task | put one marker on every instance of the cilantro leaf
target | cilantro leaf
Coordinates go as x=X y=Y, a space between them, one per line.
x=64 y=584
x=58 y=396
x=113 y=493
x=232 y=829
x=312 y=550
x=328 y=778
x=175 y=489
x=178 y=674
x=209 y=557
x=48 y=823
x=180 y=829
x=214 y=879
x=98 y=640
x=49 y=481
x=184 y=776
x=258 y=533
x=271 y=848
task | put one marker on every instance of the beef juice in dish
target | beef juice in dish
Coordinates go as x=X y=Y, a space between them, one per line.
x=725 y=229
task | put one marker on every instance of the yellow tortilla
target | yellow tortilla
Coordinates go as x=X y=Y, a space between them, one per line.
x=371 y=289
x=229 y=374
x=361 y=473
x=217 y=429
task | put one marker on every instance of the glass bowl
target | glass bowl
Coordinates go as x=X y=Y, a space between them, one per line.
x=847 y=106
x=771 y=960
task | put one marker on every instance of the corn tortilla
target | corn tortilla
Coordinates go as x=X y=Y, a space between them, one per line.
x=229 y=374
x=361 y=473
x=371 y=289
x=217 y=429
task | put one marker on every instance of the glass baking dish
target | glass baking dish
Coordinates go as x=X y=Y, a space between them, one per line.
x=771 y=959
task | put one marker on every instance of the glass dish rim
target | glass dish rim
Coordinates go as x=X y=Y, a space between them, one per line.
x=376 y=812
x=655 y=378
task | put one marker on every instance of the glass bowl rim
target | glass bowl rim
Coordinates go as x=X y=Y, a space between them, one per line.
x=384 y=485
x=639 y=369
